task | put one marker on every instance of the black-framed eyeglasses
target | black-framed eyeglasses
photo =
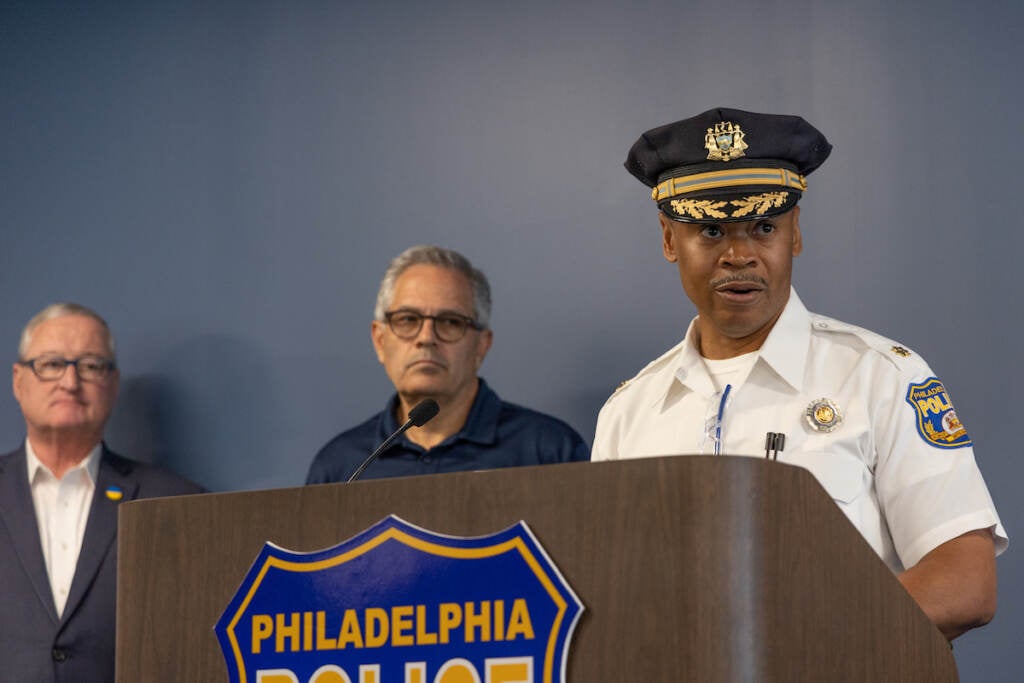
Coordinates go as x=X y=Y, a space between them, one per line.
x=449 y=327
x=88 y=368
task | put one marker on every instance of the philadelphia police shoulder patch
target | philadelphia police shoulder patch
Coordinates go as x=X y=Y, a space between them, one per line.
x=937 y=422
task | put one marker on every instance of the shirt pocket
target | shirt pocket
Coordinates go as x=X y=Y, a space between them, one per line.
x=843 y=476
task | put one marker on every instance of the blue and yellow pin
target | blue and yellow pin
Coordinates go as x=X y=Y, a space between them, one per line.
x=114 y=493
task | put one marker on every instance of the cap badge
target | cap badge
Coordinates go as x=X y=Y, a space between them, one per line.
x=724 y=142
x=823 y=415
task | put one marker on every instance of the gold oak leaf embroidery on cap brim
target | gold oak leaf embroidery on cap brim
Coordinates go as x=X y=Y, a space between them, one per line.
x=699 y=208
x=758 y=202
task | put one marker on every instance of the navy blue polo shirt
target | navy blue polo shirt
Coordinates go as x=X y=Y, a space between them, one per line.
x=496 y=434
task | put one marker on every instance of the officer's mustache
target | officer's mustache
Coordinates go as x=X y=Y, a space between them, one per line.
x=729 y=279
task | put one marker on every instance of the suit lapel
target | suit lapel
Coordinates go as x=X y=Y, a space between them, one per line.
x=18 y=514
x=101 y=528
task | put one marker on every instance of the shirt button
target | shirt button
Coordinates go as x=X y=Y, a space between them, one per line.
x=59 y=655
x=427 y=458
x=821 y=325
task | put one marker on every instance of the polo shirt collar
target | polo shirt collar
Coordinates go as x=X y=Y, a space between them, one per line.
x=481 y=423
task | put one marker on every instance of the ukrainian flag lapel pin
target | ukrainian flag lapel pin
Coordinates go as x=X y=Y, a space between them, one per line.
x=114 y=493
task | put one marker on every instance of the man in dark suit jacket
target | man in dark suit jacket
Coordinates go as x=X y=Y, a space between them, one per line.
x=59 y=494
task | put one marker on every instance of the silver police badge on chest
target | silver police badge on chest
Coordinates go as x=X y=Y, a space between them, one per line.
x=823 y=415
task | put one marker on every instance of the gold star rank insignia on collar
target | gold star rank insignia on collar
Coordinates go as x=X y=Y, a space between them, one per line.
x=901 y=351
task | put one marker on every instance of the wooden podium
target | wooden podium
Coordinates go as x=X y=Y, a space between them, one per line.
x=697 y=568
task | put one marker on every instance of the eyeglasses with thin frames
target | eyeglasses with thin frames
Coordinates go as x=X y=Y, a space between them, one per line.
x=88 y=368
x=449 y=327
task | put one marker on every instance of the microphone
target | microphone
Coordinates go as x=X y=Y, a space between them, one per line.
x=420 y=414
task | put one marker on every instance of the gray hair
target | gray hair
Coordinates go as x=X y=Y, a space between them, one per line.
x=443 y=258
x=60 y=310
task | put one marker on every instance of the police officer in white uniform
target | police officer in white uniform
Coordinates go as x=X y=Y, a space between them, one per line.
x=757 y=372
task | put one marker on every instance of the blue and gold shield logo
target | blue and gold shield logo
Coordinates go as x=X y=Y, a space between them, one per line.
x=400 y=603
x=937 y=422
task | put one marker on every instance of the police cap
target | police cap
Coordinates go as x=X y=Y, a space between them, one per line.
x=728 y=165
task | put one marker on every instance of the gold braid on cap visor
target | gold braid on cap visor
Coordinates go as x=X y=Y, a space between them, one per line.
x=781 y=177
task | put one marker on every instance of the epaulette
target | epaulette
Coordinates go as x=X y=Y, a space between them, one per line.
x=651 y=367
x=622 y=385
x=897 y=353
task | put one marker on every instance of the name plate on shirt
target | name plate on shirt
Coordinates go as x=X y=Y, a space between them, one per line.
x=400 y=603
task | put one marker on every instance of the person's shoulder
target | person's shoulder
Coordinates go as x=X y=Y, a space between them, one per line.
x=894 y=353
x=339 y=456
x=154 y=480
x=355 y=437
x=8 y=460
x=529 y=417
x=529 y=430
x=652 y=373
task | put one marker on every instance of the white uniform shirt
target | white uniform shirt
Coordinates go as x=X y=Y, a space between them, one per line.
x=899 y=463
x=62 y=509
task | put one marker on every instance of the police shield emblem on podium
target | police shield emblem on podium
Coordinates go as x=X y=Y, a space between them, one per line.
x=400 y=603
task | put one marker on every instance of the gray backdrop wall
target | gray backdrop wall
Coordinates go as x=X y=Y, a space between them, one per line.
x=225 y=182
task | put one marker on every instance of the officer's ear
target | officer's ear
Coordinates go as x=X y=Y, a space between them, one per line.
x=668 y=237
x=798 y=240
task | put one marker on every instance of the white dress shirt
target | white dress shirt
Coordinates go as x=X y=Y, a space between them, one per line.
x=898 y=463
x=62 y=510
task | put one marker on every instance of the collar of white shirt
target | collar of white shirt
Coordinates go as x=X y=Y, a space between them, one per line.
x=91 y=463
x=791 y=331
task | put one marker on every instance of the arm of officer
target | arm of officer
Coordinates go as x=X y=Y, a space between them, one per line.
x=955 y=583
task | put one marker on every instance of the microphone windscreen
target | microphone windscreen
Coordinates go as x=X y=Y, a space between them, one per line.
x=423 y=412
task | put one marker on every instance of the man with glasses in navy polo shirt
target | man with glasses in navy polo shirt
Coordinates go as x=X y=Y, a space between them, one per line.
x=431 y=334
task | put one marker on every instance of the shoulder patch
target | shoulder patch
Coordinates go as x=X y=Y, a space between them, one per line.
x=937 y=422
